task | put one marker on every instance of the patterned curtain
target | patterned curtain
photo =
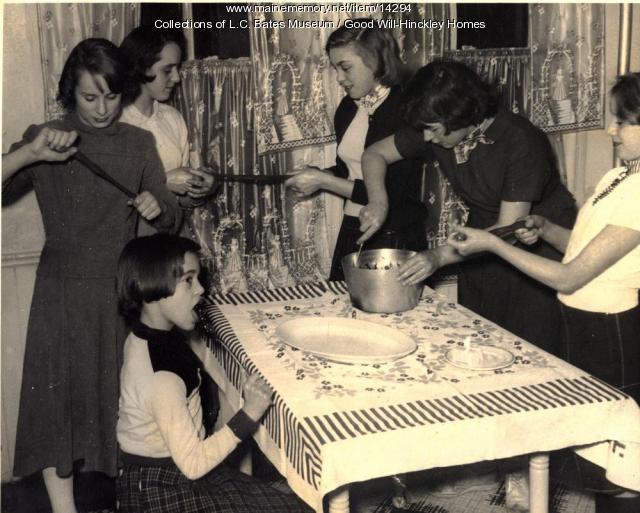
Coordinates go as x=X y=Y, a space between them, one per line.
x=418 y=47
x=567 y=62
x=62 y=26
x=297 y=93
x=253 y=237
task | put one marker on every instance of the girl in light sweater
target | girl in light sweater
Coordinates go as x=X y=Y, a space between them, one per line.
x=169 y=464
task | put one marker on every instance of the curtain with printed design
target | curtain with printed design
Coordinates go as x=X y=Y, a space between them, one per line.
x=253 y=237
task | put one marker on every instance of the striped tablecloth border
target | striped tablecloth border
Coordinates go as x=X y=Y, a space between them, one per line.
x=303 y=291
x=558 y=393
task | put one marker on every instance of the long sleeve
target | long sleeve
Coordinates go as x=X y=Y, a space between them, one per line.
x=17 y=185
x=184 y=140
x=193 y=455
x=154 y=180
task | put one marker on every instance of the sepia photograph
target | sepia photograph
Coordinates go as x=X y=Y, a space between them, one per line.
x=330 y=257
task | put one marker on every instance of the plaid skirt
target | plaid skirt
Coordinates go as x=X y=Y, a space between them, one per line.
x=164 y=489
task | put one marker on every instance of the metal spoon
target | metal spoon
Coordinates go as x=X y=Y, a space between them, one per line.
x=358 y=256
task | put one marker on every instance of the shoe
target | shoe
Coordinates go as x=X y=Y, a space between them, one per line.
x=516 y=486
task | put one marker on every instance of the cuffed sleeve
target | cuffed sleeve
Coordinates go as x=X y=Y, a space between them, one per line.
x=242 y=425
x=359 y=194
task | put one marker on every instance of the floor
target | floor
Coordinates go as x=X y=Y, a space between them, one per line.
x=93 y=491
x=428 y=492
x=478 y=488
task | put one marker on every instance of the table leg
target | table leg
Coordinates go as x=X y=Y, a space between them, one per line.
x=539 y=483
x=339 y=500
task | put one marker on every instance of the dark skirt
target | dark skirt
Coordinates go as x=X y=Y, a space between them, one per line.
x=164 y=489
x=499 y=292
x=606 y=346
x=413 y=237
x=69 y=397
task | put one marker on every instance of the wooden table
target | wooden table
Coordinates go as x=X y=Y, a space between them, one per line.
x=334 y=424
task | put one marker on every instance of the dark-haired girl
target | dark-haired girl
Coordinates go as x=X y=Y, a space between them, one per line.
x=153 y=57
x=599 y=277
x=368 y=67
x=502 y=166
x=169 y=465
x=69 y=398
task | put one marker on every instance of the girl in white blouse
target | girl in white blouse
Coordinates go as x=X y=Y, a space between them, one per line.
x=154 y=58
x=599 y=278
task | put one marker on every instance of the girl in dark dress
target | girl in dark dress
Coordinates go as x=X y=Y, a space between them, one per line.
x=69 y=397
x=368 y=67
x=503 y=168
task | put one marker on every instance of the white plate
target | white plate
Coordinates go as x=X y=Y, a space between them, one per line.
x=346 y=340
x=479 y=357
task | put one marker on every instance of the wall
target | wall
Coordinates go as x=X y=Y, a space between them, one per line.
x=598 y=158
x=21 y=86
x=22 y=232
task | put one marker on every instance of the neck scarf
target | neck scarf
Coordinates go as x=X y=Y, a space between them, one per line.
x=469 y=143
x=370 y=101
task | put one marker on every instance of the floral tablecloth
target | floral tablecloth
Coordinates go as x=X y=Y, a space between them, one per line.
x=334 y=423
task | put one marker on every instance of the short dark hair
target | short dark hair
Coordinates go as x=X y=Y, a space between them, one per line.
x=377 y=48
x=450 y=93
x=141 y=50
x=149 y=269
x=626 y=98
x=97 y=57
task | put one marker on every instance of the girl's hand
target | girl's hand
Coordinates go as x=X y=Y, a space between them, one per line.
x=306 y=181
x=534 y=230
x=419 y=267
x=200 y=185
x=467 y=240
x=147 y=205
x=53 y=145
x=371 y=218
x=257 y=397
x=179 y=180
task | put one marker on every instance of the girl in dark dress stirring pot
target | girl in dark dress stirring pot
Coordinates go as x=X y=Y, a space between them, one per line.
x=503 y=168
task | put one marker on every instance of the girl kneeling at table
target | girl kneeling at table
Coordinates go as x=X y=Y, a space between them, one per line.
x=169 y=465
x=599 y=278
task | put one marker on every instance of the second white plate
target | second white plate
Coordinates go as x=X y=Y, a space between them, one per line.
x=479 y=357
x=346 y=340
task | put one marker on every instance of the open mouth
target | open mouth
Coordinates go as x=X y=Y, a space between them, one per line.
x=196 y=311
